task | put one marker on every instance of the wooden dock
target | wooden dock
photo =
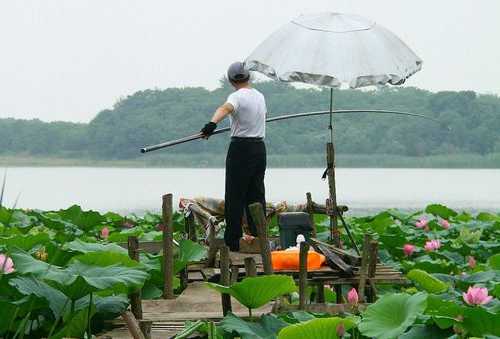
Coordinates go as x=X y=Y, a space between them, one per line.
x=169 y=315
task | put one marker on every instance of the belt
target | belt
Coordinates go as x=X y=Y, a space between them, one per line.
x=249 y=139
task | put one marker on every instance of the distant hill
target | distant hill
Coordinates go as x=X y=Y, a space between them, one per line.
x=152 y=116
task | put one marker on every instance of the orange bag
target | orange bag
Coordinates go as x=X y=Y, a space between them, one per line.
x=289 y=260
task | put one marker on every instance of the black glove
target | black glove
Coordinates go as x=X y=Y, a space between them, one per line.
x=208 y=129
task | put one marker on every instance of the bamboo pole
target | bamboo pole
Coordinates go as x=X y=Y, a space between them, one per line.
x=304 y=249
x=132 y=325
x=168 y=247
x=135 y=297
x=259 y=218
x=225 y=279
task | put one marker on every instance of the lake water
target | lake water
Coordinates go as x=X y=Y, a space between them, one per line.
x=127 y=190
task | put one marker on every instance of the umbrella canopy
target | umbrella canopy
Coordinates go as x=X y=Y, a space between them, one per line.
x=333 y=48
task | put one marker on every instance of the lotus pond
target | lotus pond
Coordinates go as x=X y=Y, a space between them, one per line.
x=63 y=274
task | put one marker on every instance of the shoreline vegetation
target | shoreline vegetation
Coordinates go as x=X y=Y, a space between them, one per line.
x=452 y=161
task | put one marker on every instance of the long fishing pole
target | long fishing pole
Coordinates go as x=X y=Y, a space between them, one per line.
x=285 y=117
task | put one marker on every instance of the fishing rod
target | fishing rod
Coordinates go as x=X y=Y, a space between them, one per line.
x=285 y=117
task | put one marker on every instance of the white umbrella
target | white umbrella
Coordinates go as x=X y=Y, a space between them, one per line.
x=331 y=49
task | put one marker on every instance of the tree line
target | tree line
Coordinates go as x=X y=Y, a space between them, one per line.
x=151 y=116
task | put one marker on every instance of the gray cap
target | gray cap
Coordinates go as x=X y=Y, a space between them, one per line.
x=237 y=72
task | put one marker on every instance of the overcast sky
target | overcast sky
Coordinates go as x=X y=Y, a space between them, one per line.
x=67 y=60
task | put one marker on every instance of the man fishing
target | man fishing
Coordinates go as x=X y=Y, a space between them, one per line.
x=246 y=156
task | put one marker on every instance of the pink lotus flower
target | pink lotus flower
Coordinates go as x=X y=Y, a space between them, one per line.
x=477 y=296
x=352 y=296
x=471 y=261
x=408 y=249
x=432 y=245
x=6 y=264
x=444 y=223
x=105 y=233
x=421 y=223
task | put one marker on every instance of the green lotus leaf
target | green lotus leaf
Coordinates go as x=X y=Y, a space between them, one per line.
x=83 y=219
x=443 y=312
x=494 y=261
x=20 y=219
x=440 y=211
x=106 y=259
x=79 y=279
x=26 y=264
x=479 y=322
x=75 y=325
x=422 y=331
x=427 y=281
x=255 y=292
x=7 y=314
x=392 y=314
x=28 y=285
x=321 y=328
x=25 y=242
x=86 y=247
x=267 y=327
x=189 y=251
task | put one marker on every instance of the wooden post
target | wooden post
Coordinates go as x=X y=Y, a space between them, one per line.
x=168 y=247
x=235 y=272
x=145 y=326
x=135 y=298
x=132 y=325
x=304 y=249
x=225 y=279
x=330 y=161
x=338 y=293
x=190 y=228
x=259 y=218
x=310 y=210
x=212 y=248
x=363 y=270
x=372 y=268
x=250 y=267
x=320 y=296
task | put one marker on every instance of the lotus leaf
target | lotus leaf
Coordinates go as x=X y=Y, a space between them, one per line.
x=392 y=314
x=267 y=327
x=427 y=281
x=85 y=247
x=321 y=328
x=422 y=331
x=28 y=285
x=255 y=292
x=479 y=322
x=440 y=211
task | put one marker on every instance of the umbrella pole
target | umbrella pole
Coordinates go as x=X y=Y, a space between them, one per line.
x=332 y=201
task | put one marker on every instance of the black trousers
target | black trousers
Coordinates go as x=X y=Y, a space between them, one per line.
x=245 y=170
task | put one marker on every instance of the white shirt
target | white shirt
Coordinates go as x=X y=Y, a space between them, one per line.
x=248 y=119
